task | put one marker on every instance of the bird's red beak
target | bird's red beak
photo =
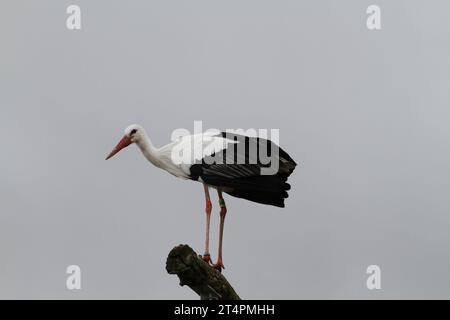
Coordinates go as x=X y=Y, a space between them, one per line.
x=123 y=143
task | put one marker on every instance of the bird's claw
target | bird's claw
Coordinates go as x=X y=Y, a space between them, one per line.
x=207 y=258
x=218 y=266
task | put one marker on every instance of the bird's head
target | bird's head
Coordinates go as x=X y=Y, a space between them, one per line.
x=133 y=134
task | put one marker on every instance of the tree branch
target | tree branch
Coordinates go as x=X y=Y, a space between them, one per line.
x=207 y=282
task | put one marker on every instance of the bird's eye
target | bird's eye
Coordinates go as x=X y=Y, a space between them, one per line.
x=133 y=132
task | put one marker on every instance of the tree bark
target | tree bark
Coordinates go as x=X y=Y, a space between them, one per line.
x=207 y=282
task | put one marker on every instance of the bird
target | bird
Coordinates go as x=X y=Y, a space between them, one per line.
x=228 y=162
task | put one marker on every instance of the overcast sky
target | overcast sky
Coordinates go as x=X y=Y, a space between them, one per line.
x=364 y=113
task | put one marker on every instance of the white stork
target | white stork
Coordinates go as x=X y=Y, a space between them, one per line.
x=239 y=171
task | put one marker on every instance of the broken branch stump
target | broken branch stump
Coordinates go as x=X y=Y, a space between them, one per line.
x=207 y=282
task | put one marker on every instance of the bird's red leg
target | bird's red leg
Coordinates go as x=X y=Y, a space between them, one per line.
x=206 y=256
x=223 y=211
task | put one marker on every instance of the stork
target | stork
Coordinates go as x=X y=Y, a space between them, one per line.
x=227 y=162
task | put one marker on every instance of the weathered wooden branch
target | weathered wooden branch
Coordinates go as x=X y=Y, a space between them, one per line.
x=207 y=282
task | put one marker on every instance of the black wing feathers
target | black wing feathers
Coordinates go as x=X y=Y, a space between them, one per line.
x=238 y=170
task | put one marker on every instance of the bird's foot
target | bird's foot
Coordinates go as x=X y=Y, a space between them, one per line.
x=218 y=265
x=207 y=258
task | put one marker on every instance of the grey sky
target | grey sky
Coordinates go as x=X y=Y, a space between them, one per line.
x=364 y=113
